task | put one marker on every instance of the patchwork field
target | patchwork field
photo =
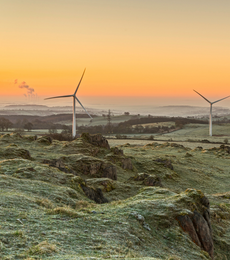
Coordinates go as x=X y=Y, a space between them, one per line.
x=158 y=124
x=199 y=130
x=190 y=133
x=99 y=120
x=90 y=199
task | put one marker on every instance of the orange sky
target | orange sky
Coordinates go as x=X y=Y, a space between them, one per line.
x=147 y=48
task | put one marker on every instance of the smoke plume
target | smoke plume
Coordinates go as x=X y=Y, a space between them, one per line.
x=30 y=91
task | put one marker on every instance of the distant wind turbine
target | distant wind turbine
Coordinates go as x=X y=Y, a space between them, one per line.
x=210 y=116
x=74 y=103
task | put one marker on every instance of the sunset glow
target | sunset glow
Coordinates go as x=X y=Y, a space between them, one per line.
x=146 y=48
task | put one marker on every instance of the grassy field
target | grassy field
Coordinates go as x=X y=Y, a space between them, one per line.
x=189 y=133
x=46 y=214
x=100 y=120
x=199 y=132
x=191 y=145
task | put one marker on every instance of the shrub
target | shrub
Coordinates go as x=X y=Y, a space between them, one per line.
x=61 y=137
x=226 y=140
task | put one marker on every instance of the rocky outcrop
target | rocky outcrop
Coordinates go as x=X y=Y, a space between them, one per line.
x=13 y=151
x=58 y=163
x=225 y=148
x=198 y=226
x=30 y=138
x=91 y=192
x=44 y=140
x=177 y=145
x=94 y=194
x=123 y=162
x=187 y=225
x=147 y=179
x=10 y=137
x=85 y=165
x=117 y=151
x=109 y=171
x=98 y=168
x=139 y=177
x=126 y=164
x=105 y=184
x=96 y=139
x=117 y=157
x=152 y=180
x=165 y=162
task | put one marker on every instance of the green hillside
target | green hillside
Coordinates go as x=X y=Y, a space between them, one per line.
x=86 y=200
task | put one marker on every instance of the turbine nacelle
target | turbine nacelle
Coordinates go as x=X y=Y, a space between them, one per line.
x=210 y=116
x=74 y=98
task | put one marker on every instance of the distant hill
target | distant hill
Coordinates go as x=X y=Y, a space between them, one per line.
x=42 y=110
x=185 y=111
x=50 y=118
x=169 y=111
x=26 y=107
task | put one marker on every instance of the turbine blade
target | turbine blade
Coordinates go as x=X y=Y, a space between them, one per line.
x=83 y=107
x=79 y=83
x=220 y=100
x=202 y=96
x=59 y=97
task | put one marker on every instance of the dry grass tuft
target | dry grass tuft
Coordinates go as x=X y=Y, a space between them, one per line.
x=43 y=248
x=45 y=203
x=82 y=204
x=174 y=257
x=19 y=233
x=65 y=211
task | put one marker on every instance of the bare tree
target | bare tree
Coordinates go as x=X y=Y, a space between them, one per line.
x=5 y=124
x=109 y=125
x=53 y=129
x=66 y=129
x=28 y=126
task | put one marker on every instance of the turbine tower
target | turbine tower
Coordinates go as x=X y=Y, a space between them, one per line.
x=74 y=104
x=210 y=116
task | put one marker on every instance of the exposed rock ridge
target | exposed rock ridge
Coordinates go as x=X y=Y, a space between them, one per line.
x=198 y=226
x=96 y=139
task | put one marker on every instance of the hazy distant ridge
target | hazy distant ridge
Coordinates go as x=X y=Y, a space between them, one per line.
x=170 y=110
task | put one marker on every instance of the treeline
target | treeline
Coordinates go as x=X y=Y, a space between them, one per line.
x=24 y=124
x=148 y=120
x=134 y=126
x=124 y=129
x=5 y=124
x=37 y=124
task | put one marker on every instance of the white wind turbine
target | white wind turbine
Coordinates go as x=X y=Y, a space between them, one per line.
x=210 y=116
x=74 y=104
